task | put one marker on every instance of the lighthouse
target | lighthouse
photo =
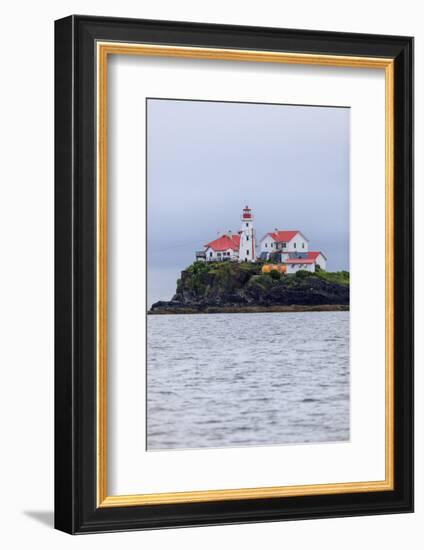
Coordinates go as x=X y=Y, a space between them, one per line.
x=247 y=251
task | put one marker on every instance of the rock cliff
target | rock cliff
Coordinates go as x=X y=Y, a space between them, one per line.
x=232 y=287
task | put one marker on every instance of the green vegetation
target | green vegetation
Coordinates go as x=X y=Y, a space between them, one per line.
x=202 y=277
x=213 y=287
x=337 y=277
x=302 y=274
x=203 y=272
x=263 y=280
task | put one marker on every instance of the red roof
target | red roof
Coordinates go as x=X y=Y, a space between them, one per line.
x=283 y=236
x=314 y=255
x=236 y=239
x=225 y=242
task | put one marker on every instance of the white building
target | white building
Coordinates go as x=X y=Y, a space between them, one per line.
x=319 y=259
x=225 y=247
x=285 y=241
x=239 y=246
x=289 y=248
x=293 y=265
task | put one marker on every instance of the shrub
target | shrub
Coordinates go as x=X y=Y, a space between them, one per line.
x=198 y=267
x=274 y=274
x=302 y=274
x=263 y=280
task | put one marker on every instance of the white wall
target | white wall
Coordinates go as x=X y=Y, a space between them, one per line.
x=247 y=250
x=320 y=260
x=293 y=268
x=295 y=245
x=267 y=244
x=26 y=300
x=219 y=255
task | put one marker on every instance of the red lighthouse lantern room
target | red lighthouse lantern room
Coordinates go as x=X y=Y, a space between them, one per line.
x=247 y=213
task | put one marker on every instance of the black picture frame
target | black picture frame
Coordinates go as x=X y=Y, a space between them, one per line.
x=76 y=510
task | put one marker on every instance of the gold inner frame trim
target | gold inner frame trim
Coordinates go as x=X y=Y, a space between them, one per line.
x=104 y=49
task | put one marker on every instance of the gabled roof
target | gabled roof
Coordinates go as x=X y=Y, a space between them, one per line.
x=314 y=255
x=282 y=236
x=225 y=242
x=236 y=239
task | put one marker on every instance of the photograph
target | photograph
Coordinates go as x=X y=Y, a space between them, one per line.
x=247 y=274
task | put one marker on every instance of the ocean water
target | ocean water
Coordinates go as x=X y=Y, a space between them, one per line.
x=230 y=380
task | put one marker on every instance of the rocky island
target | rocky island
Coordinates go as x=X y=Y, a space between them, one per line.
x=232 y=287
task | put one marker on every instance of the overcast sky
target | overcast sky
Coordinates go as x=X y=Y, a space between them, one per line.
x=206 y=160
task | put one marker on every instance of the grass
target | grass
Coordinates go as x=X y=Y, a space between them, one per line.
x=337 y=277
x=228 y=274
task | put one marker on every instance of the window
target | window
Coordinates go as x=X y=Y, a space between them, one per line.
x=283 y=245
x=247 y=225
x=303 y=245
x=210 y=254
x=294 y=245
x=266 y=245
x=272 y=244
x=247 y=237
x=247 y=253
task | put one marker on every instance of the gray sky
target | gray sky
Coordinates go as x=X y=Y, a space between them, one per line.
x=207 y=159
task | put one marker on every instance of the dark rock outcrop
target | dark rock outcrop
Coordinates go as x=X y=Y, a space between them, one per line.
x=237 y=287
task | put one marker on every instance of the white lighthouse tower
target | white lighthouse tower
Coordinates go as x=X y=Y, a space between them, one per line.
x=247 y=252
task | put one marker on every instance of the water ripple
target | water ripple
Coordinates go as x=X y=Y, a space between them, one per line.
x=276 y=378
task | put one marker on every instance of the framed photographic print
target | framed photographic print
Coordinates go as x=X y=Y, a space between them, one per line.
x=234 y=294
